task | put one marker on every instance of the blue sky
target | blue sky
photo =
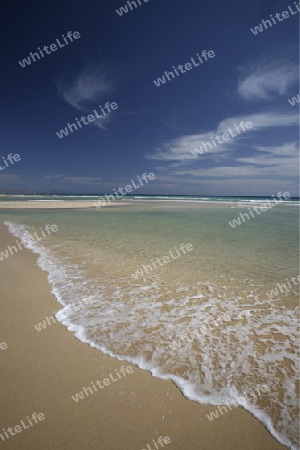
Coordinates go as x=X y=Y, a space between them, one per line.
x=154 y=128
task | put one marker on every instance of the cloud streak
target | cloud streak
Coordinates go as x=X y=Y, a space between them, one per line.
x=265 y=79
x=91 y=86
x=179 y=149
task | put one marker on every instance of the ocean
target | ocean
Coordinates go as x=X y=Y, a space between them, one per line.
x=147 y=312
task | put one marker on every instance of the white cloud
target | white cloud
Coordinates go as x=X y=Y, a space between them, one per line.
x=266 y=78
x=179 y=149
x=102 y=122
x=91 y=86
x=83 y=180
x=267 y=169
x=7 y=177
x=288 y=149
x=261 y=121
x=277 y=162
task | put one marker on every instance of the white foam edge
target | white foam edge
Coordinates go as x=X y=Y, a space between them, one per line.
x=185 y=387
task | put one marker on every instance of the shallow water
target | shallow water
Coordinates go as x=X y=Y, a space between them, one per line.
x=148 y=319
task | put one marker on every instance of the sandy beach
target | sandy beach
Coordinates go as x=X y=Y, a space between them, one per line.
x=149 y=226
x=136 y=204
x=42 y=370
x=55 y=204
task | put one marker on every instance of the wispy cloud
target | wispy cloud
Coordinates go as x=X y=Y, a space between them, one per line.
x=50 y=177
x=278 y=161
x=10 y=182
x=179 y=149
x=9 y=177
x=83 y=180
x=240 y=163
x=91 y=86
x=268 y=170
x=268 y=162
x=265 y=78
x=227 y=185
x=288 y=149
x=103 y=122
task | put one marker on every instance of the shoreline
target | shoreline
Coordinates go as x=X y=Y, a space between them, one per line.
x=43 y=370
x=45 y=205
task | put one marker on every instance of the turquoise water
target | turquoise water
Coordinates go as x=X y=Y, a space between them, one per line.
x=95 y=197
x=138 y=318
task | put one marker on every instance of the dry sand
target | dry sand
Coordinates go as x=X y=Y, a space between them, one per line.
x=41 y=370
x=137 y=204
x=55 y=204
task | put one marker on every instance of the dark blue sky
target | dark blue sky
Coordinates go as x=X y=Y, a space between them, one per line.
x=154 y=128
